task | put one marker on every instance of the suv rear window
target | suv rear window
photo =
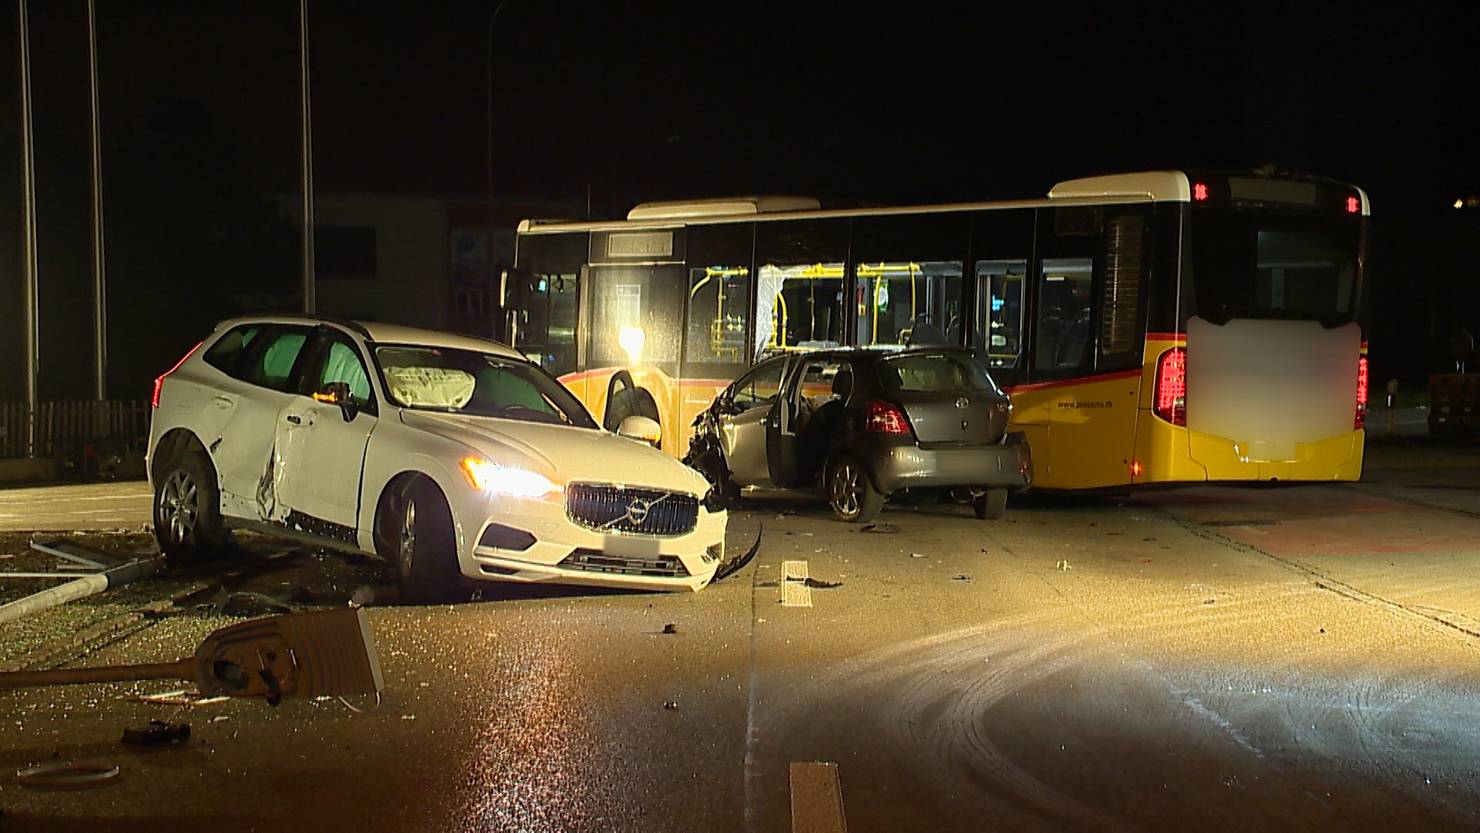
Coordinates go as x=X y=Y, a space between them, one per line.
x=937 y=372
x=227 y=350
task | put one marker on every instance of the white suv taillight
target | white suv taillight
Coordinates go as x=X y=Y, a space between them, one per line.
x=1171 y=386
x=159 y=381
x=1360 y=421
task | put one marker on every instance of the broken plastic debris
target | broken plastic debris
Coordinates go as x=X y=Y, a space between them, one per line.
x=670 y=628
x=68 y=774
x=1063 y=564
x=819 y=584
x=918 y=555
x=157 y=733
x=671 y=705
x=962 y=577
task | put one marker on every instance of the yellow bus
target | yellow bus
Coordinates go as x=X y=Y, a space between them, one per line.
x=1154 y=327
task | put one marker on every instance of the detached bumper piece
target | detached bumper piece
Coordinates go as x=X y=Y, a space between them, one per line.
x=596 y=561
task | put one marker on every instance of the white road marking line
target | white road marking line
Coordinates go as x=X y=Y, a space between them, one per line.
x=816 y=798
x=30 y=498
x=794 y=589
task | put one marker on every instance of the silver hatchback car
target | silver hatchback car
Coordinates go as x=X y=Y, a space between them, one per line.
x=858 y=425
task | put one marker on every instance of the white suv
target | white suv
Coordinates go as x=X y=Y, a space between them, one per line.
x=452 y=457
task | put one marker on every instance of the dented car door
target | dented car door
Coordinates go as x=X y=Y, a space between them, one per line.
x=243 y=451
x=321 y=435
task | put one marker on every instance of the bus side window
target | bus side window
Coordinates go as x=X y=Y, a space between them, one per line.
x=799 y=284
x=1064 y=307
x=720 y=280
x=999 y=310
x=1121 y=332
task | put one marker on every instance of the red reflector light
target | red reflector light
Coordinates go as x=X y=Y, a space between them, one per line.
x=886 y=418
x=1171 y=386
x=1200 y=192
x=159 y=380
x=1353 y=205
x=1360 y=421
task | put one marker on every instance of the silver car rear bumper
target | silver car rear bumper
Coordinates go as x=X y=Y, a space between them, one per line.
x=910 y=466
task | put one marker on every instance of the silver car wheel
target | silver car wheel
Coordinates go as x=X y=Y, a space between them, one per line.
x=179 y=506
x=845 y=489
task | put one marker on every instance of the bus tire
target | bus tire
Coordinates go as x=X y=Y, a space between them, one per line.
x=990 y=505
x=851 y=492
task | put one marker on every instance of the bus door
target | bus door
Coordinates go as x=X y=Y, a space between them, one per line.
x=1085 y=375
x=633 y=321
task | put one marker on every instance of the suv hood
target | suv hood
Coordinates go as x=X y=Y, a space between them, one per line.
x=563 y=453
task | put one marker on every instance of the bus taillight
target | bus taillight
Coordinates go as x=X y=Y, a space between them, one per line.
x=1361 y=420
x=1171 y=386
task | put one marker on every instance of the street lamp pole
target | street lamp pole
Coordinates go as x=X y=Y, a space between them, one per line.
x=100 y=286
x=310 y=299
x=493 y=284
x=30 y=324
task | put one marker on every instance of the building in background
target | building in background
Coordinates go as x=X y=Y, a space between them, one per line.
x=419 y=261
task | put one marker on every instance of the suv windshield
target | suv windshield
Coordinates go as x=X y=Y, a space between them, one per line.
x=934 y=372
x=477 y=384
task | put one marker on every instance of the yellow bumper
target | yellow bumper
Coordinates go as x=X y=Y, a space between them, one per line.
x=1169 y=453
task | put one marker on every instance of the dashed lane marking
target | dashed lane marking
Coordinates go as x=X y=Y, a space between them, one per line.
x=794 y=589
x=816 y=798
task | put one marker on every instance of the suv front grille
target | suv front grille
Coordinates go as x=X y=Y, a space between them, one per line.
x=596 y=561
x=634 y=511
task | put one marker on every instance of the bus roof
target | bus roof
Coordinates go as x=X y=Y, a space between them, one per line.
x=1144 y=186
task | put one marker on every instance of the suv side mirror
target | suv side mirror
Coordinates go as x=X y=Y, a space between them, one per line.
x=337 y=393
x=641 y=428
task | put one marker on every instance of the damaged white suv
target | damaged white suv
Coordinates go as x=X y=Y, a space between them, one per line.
x=453 y=457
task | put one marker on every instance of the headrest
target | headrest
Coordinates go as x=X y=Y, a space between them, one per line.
x=843 y=382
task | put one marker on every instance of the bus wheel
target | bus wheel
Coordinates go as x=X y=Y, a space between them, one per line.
x=850 y=492
x=990 y=505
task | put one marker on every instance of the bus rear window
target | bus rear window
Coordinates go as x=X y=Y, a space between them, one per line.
x=1253 y=265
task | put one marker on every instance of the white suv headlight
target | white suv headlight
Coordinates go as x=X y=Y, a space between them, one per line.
x=508 y=480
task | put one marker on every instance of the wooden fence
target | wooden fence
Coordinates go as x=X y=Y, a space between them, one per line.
x=62 y=429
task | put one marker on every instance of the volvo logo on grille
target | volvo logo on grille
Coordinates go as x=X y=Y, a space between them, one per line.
x=637 y=510
x=963 y=402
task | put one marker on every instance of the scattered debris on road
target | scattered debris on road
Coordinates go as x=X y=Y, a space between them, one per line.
x=962 y=577
x=1063 y=564
x=918 y=555
x=819 y=584
x=68 y=774
x=300 y=654
x=670 y=628
x=181 y=697
x=879 y=528
x=671 y=705
x=253 y=604
x=157 y=733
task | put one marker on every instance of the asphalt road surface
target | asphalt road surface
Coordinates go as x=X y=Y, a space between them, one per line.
x=1226 y=658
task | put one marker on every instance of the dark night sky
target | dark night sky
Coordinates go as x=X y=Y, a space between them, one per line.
x=903 y=102
x=912 y=102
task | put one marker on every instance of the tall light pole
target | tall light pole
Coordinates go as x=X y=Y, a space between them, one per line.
x=30 y=325
x=100 y=286
x=310 y=300
x=492 y=282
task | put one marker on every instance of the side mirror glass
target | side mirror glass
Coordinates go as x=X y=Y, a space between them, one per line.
x=337 y=393
x=641 y=428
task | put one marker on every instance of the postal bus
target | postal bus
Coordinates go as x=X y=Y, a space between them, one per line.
x=1152 y=327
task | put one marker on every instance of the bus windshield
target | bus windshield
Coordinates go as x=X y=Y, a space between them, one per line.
x=1248 y=264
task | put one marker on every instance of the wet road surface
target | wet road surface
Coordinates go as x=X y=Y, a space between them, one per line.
x=1228 y=658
